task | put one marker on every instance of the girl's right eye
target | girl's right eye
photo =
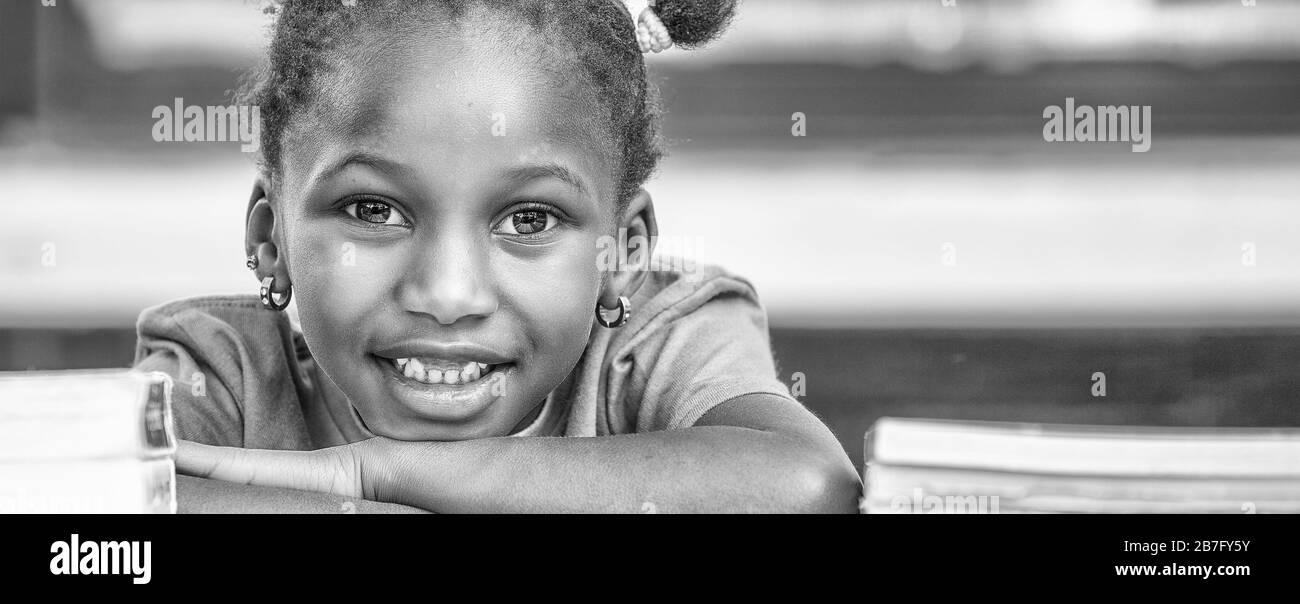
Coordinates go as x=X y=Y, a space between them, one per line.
x=376 y=212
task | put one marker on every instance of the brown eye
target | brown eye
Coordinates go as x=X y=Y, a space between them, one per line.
x=375 y=212
x=530 y=222
x=527 y=222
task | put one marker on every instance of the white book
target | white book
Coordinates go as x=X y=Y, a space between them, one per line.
x=1010 y=485
x=947 y=505
x=913 y=489
x=1086 y=450
x=85 y=415
x=96 y=486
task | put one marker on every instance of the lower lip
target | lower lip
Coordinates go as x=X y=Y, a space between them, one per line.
x=444 y=401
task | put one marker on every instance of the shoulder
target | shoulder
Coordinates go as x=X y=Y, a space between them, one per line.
x=220 y=323
x=698 y=337
x=207 y=312
x=240 y=362
x=676 y=288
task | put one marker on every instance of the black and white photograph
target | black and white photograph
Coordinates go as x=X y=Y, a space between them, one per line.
x=881 y=257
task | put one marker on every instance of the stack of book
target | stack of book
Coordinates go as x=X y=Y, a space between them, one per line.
x=86 y=442
x=938 y=466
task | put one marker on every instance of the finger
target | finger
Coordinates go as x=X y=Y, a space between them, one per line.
x=325 y=471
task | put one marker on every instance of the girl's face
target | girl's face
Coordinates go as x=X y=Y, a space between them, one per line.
x=439 y=218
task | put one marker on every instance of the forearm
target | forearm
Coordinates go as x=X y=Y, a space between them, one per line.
x=699 y=469
x=753 y=453
x=204 y=496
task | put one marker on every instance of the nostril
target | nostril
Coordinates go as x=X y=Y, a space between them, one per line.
x=450 y=299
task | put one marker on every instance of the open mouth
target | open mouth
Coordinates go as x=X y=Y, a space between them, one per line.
x=440 y=371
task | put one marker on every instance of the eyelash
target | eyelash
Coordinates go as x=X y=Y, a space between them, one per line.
x=552 y=211
x=351 y=209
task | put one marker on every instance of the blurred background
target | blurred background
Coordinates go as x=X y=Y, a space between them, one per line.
x=921 y=251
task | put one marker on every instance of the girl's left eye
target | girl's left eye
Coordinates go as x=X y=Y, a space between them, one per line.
x=528 y=222
x=376 y=212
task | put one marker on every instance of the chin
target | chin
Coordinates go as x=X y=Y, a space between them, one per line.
x=423 y=430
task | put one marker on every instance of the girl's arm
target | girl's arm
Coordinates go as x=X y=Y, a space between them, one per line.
x=754 y=453
x=205 y=496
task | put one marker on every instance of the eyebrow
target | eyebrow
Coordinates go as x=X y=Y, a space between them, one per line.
x=392 y=168
x=363 y=158
x=548 y=170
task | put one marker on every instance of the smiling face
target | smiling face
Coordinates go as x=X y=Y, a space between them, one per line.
x=438 y=213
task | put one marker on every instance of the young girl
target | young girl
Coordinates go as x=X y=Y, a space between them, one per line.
x=437 y=179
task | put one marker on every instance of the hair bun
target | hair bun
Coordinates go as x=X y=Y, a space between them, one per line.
x=694 y=23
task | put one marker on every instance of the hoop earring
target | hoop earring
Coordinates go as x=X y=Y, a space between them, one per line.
x=268 y=296
x=624 y=312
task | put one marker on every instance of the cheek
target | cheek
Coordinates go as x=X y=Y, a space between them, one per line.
x=335 y=283
x=555 y=294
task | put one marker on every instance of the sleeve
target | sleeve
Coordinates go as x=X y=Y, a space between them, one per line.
x=233 y=385
x=717 y=352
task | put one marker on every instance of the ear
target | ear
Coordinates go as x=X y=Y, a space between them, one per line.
x=642 y=230
x=261 y=238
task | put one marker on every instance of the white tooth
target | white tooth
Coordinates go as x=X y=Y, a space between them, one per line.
x=408 y=370
x=451 y=376
x=401 y=362
x=417 y=369
x=433 y=377
x=482 y=368
x=470 y=373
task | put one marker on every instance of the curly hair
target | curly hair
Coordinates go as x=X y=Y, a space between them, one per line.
x=597 y=37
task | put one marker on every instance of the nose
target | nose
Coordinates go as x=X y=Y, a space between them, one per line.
x=448 y=280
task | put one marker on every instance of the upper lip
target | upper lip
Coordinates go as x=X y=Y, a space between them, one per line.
x=463 y=352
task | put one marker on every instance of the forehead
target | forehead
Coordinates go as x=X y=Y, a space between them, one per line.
x=459 y=96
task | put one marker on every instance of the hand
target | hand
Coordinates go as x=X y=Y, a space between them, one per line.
x=353 y=470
